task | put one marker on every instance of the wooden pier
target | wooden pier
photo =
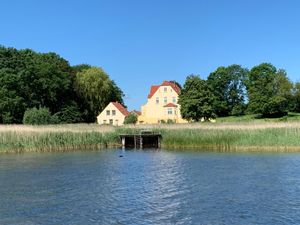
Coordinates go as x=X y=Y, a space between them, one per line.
x=144 y=139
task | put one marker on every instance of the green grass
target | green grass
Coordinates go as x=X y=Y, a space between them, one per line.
x=270 y=139
x=255 y=118
x=245 y=135
x=55 y=141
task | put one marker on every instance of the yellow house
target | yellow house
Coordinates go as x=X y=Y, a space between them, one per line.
x=162 y=105
x=114 y=114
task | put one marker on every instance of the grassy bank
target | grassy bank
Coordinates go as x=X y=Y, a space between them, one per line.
x=20 y=138
x=269 y=139
x=243 y=136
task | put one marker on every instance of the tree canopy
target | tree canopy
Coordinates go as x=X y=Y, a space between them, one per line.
x=45 y=80
x=96 y=90
x=269 y=91
x=196 y=99
x=228 y=86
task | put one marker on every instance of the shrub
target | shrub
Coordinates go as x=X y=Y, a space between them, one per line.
x=130 y=119
x=39 y=116
x=69 y=114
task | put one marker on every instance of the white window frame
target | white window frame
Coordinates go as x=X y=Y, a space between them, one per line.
x=174 y=100
x=165 y=100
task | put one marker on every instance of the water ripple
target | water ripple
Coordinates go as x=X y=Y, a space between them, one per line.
x=150 y=187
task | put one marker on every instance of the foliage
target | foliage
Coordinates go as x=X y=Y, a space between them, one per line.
x=29 y=79
x=39 y=116
x=228 y=85
x=196 y=99
x=269 y=91
x=130 y=119
x=177 y=84
x=95 y=91
x=69 y=114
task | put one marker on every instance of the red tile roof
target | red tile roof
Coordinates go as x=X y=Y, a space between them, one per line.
x=170 y=105
x=136 y=112
x=121 y=108
x=154 y=88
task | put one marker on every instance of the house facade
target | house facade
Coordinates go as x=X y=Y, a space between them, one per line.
x=113 y=114
x=162 y=105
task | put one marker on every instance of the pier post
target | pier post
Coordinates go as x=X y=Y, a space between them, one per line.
x=141 y=142
x=123 y=142
x=158 y=141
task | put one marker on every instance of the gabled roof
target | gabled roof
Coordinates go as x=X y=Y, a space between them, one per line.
x=136 y=112
x=121 y=108
x=170 y=105
x=154 y=88
x=173 y=85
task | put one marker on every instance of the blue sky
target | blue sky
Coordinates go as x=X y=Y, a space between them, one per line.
x=140 y=43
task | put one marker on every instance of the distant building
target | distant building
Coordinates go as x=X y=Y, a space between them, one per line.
x=114 y=114
x=162 y=105
x=135 y=112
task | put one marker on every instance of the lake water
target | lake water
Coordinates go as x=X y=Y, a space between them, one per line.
x=149 y=187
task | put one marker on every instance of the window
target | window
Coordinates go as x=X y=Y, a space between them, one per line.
x=104 y=121
x=157 y=100
x=165 y=89
x=117 y=122
x=113 y=112
x=165 y=100
x=111 y=121
x=174 y=99
x=107 y=112
x=170 y=111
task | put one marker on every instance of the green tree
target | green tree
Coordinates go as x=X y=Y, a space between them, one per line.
x=69 y=114
x=41 y=116
x=269 y=91
x=295 y=102
x=175 y=82
x=196 y=99
x=228 y=85
x=95 y=90
x=29 y=79
x=130 y=119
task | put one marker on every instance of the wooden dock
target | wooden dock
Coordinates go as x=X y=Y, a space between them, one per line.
x=144 y=139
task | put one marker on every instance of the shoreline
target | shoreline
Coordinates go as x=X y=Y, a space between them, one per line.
x=223 y=137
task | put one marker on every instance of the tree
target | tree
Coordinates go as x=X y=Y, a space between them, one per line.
x=95 y=90
x=130 y=119
x=175 y=82
x=196 y=99
x=228 y=85
x=41 y=116
x=29 y=79
x=269 y=91
x=69 y=114
x=295 y=102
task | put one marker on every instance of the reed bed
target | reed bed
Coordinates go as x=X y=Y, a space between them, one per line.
x=74 y=128
x=284 y=136
x=55 y=138
x=254 y=125
x=266 y=139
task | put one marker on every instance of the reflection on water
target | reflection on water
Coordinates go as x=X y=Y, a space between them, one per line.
x=149 y=187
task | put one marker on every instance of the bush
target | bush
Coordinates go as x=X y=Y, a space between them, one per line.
x=39 y=116
x=69 y=114
x=130 y=119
